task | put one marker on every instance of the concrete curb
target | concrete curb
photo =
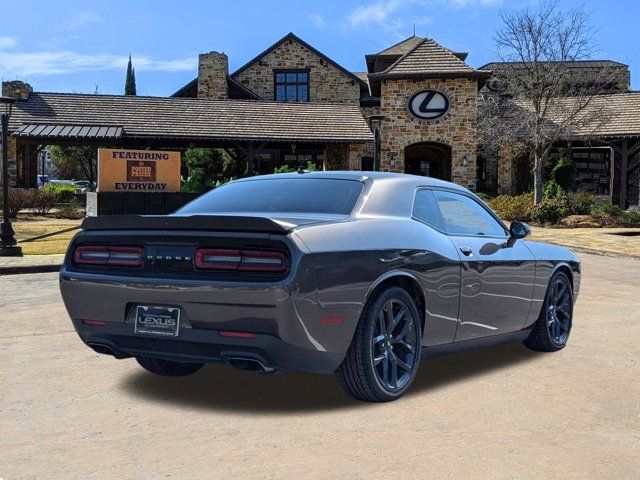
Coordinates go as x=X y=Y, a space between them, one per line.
x=20 y=269
x=601 y=253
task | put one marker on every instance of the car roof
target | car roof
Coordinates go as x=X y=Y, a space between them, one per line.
x=386 y=193
x=361 y=176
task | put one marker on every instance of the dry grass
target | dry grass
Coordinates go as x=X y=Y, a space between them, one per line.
x=600 y=240
x=29 y=226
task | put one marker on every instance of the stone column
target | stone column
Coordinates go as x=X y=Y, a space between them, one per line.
x=20 y=91
x=505 y=171
x=213 y=68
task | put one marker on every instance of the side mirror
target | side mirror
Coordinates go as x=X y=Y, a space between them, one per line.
x=518 y=231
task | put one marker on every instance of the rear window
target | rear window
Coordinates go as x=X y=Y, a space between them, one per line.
x=291 y=195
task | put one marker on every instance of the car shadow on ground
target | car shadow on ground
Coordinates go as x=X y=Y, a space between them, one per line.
x=221 y=388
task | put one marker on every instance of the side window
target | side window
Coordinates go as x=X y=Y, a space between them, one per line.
x=426 y=210
x=464 y=216
x=291 y=86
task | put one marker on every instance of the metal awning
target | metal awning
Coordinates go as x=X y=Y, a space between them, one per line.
x=69 y=131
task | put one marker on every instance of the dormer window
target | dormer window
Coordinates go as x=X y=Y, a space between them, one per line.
x=292 y=86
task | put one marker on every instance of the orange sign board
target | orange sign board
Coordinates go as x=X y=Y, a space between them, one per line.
x=138 y=170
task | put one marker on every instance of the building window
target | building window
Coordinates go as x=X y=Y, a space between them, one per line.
x=292 y=86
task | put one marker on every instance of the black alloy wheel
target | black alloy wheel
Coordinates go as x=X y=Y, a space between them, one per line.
x=384 y=355
x=559 y=312
x=394 y=345
x=551 y=331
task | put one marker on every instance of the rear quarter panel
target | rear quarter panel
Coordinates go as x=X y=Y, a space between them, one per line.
x=351 y=258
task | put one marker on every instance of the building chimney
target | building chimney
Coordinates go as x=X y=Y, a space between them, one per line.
x=213 y=68
x=16 y=89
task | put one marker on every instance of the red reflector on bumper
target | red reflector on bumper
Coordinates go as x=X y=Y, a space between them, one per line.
x=332 y=320
x=97 y=323
x=236 y=334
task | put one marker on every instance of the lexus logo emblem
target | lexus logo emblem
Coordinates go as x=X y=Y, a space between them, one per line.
x=428 y=104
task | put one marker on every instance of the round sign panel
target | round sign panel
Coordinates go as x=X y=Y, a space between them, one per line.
x=428 y=104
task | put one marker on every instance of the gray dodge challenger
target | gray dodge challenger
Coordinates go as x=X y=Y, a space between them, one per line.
x=357 y=273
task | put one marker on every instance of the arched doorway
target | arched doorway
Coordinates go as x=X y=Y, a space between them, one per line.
x=429 y=159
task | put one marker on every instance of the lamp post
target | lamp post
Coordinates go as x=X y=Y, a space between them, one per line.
x=376 y=122
x=8 y=242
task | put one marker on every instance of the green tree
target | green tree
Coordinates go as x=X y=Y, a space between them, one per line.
x=130 y=82
x=75 y=162
x=207 y=168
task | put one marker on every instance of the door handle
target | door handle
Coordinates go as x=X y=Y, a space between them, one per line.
x=466 y=251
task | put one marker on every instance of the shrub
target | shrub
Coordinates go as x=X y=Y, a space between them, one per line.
x=631 y=218
x=207 y=168
x=43 y=201
x=551 y=189
x=63 y=193
x=19 y=199
x=578 y=203
x=549 y=211
x=509 y=207
x=608 y=215
x=311 y=167
x=71 y=210
x=284 y=169
x=606 y=209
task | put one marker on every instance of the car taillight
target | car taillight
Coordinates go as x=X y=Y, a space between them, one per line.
x=240 y=260
x=108 y=255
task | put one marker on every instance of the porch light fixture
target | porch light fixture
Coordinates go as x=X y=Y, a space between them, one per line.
x=8 y=242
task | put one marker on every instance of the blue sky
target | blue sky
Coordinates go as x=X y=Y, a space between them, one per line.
x=73 y=45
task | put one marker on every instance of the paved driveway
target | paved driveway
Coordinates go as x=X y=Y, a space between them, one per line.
x=503 y=412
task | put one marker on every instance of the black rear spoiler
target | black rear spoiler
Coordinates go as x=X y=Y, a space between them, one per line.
x=225 y=223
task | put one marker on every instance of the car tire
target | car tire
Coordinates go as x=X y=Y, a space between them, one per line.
x=167 y=368
x=371 y=354
x=551 y=331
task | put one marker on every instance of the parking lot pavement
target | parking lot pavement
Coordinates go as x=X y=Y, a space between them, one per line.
x=502 y=412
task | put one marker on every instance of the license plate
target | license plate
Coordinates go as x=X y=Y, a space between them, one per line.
x=161 y=321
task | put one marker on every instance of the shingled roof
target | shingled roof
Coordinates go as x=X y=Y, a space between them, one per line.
x=402 y=47
x=430 y=59
x=494 y=66
x=192 y=118
x=620 y=112
x=623 y=115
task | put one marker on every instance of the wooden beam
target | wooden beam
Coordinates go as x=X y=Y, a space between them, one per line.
x=26 y=158
x=231 y=153
x=624 y=160
x=633 y=148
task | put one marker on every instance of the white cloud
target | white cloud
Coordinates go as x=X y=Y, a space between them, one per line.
x=318 y=20
x=23 y=64
x=392 y=14
x=379 y=12
x=7 y=43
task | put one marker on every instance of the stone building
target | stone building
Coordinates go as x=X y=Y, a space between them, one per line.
x=292 y=104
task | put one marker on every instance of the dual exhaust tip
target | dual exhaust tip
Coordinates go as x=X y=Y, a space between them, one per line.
x=241 y=363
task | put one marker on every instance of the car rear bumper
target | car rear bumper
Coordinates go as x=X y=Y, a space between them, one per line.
x=284 y=323
x=206 y=346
